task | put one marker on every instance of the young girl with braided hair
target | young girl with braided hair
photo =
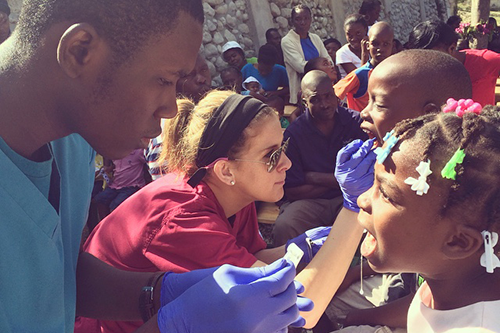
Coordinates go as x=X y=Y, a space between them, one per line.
x=434 y=209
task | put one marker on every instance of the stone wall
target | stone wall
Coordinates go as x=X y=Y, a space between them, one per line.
x=328 y=18
x=246 y=21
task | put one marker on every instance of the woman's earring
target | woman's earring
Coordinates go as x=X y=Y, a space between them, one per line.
x=232 y=182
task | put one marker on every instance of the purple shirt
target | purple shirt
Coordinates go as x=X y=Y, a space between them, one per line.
x=129 y=171
x=311 y=151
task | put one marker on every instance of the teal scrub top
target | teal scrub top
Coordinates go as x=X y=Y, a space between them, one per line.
x=38 y=245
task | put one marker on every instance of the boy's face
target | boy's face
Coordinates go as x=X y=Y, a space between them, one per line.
x=274 y=38
x=332 y=49
x=253 y=86
x=124 y=108
x=405 y=230
x=380 y=45
x=393 y=96
x=197 y=82
x=231 y=79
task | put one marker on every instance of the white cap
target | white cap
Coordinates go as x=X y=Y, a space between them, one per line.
x=248 y=80
x=231 y=45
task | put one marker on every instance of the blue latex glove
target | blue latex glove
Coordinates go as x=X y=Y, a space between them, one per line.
x=310 y=242
x=354 y=171
x=260 y=299
x=175 y=284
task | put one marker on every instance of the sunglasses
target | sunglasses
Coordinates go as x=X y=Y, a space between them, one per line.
x=273 y=159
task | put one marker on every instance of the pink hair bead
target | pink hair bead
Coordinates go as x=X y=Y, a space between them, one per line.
x=476 y=108
x=468 y=103
x=451 y=105
x=459 y=111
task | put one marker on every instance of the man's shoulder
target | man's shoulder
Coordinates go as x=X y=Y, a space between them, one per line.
x=349 y=115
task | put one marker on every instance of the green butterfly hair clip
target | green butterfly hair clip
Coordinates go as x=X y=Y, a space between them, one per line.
x=449 y=169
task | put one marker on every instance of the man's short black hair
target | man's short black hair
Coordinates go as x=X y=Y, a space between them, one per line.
x=268 y=33
x=125 y=24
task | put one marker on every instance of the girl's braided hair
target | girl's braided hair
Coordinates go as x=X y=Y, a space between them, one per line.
x=474 y=195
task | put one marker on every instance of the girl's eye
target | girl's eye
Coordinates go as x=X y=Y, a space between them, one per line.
x=384 y=195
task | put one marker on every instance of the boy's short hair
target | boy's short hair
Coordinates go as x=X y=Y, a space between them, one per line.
x=126 y=24
x=440 y=73
x=368 y=5
x=312 y=64
x=231 y=69
x=269 y=31
x=267 y=55
x=332 y=40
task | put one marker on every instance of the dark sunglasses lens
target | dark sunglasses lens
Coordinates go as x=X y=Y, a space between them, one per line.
x=275 y=156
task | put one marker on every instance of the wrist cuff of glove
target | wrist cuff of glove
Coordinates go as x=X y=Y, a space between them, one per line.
x=304 y=243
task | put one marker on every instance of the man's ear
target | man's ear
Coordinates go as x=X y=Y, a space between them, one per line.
x=431 y=108
x=222 y=170
x=463 y=242
x=77 y=47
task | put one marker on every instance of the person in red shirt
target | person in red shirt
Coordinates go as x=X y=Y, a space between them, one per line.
x=202 y=213
x=483 y=65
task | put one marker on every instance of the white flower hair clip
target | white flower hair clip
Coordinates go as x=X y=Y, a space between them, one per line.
x=420 y=185
x=489 y=259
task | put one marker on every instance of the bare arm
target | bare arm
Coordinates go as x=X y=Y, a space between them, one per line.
x=348 y=67
x=324 y=274
x=151 y=326
x=270 y=255
x=105 y=292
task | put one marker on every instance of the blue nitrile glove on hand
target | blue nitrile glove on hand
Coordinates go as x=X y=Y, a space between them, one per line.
x=260 y=299
x=354 y=171
x=310 y=242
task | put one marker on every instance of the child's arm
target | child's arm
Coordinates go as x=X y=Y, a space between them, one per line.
x=323 y=276
x=259 y=96
x=348 y=67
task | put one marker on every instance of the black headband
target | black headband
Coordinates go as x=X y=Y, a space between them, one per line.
x=223 y=129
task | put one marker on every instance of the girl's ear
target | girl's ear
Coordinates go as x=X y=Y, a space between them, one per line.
x=222 y=170
x=463 y=242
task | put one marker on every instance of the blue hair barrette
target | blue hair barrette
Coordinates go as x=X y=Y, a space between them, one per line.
x=382 y=153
